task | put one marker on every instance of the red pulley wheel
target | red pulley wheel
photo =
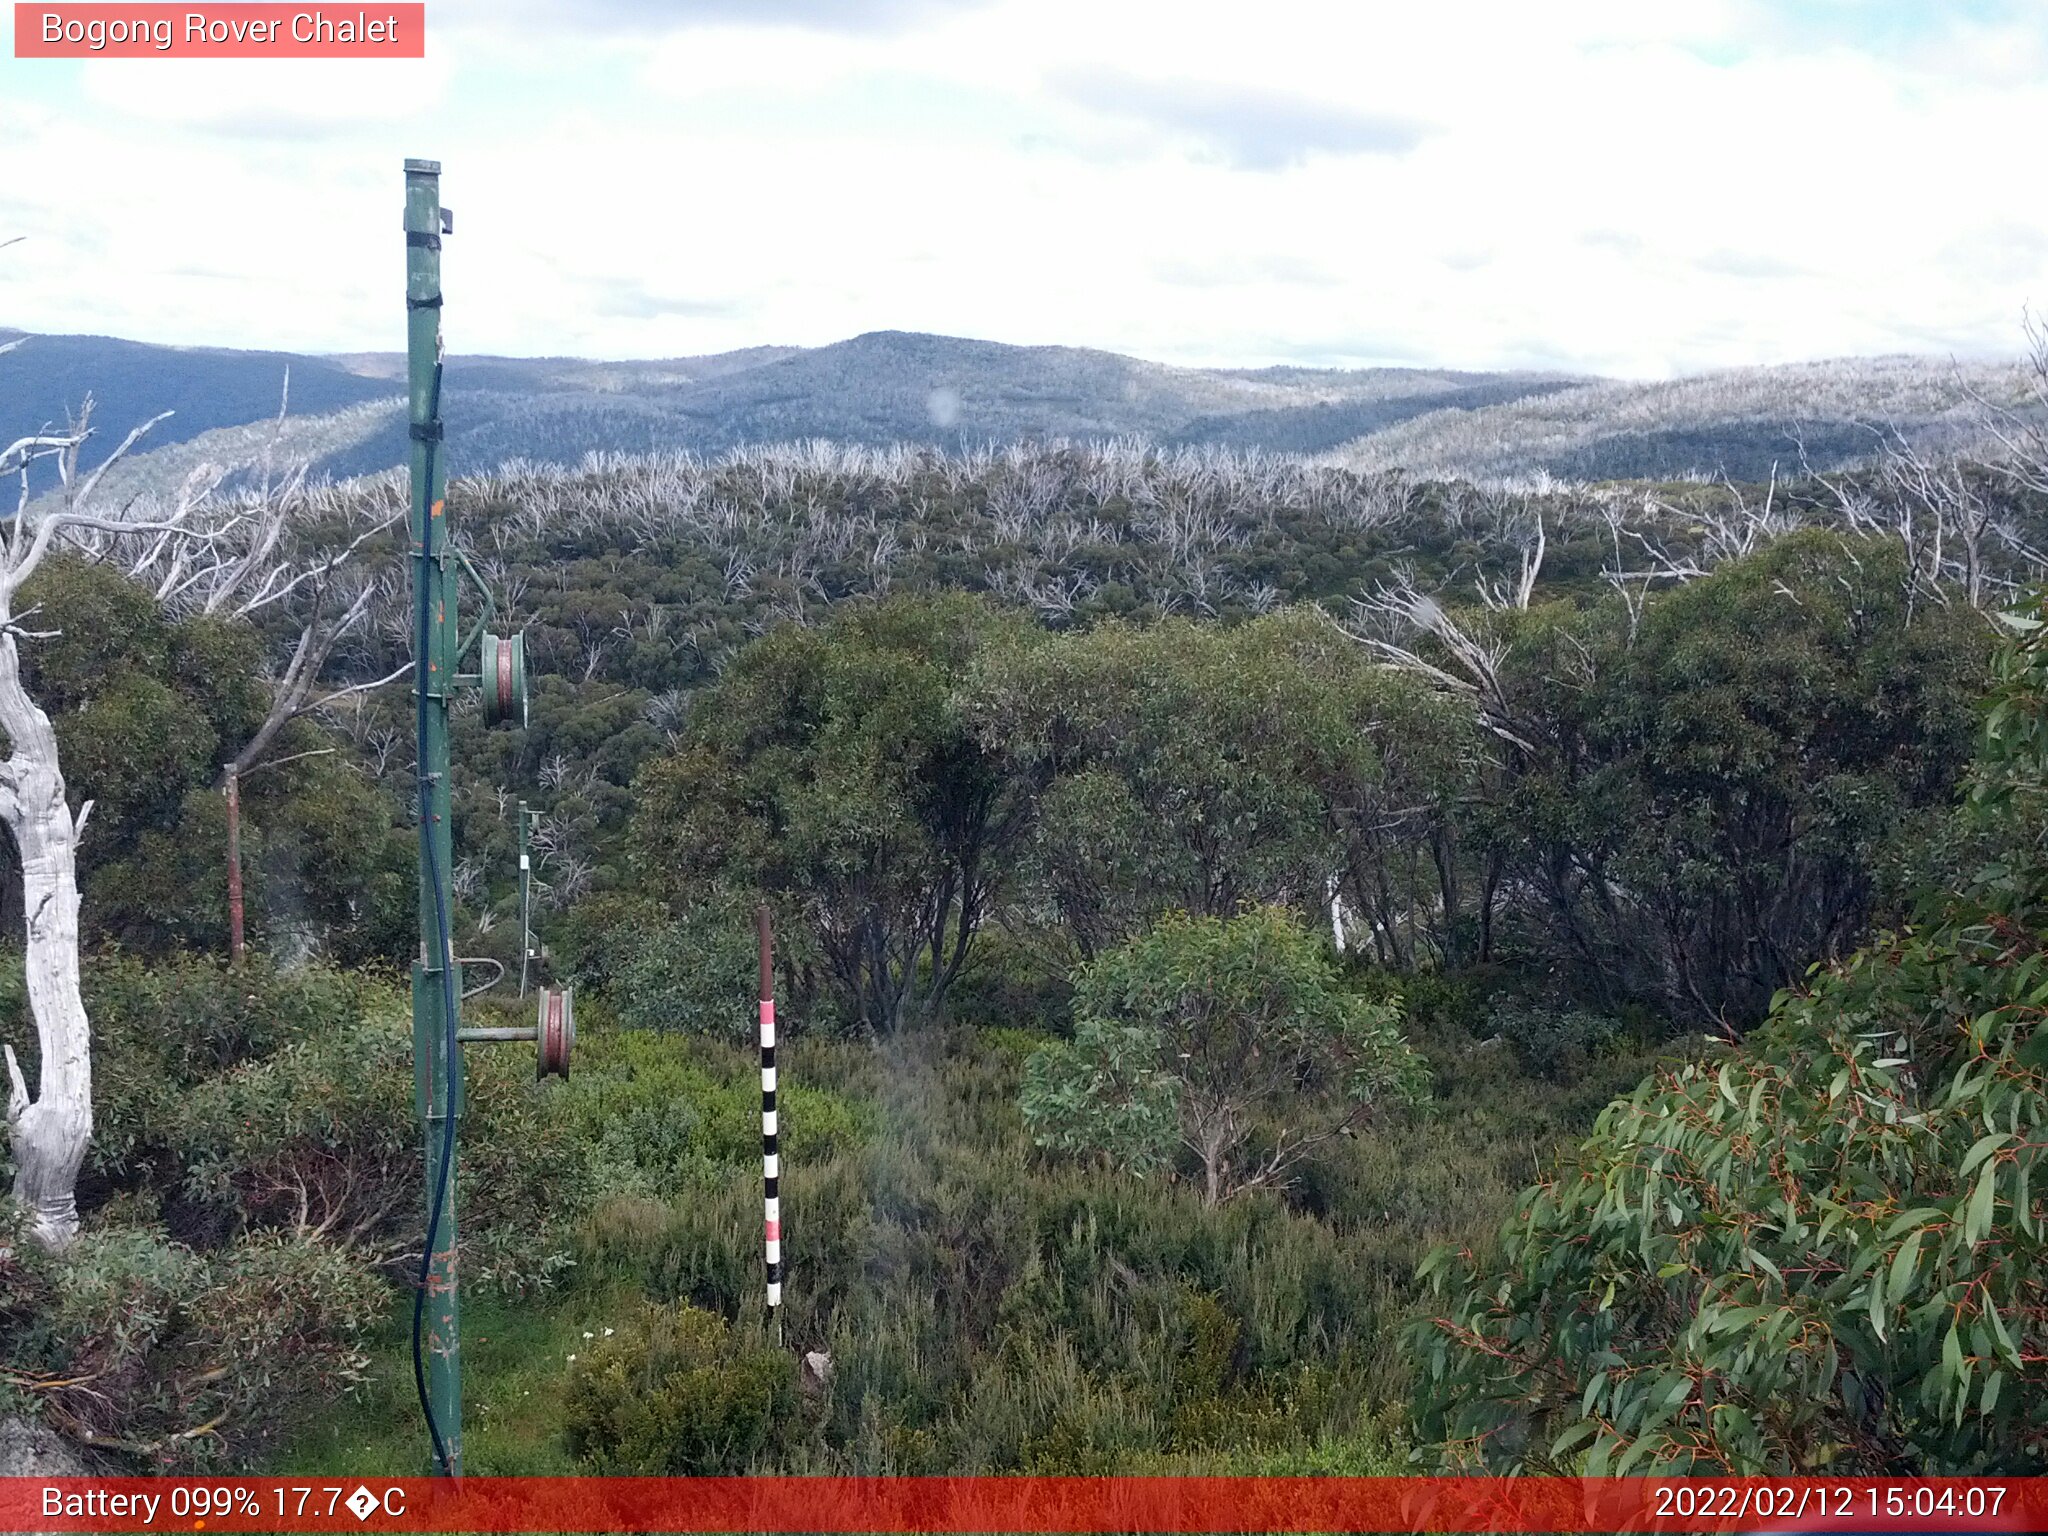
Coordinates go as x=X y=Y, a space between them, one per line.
x=506 y=698
x=503 y=680
x=557 y=1032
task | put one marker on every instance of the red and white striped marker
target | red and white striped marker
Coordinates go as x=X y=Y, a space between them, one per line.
x=771 y=1157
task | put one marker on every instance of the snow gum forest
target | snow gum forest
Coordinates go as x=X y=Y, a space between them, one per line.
x=1286 y=963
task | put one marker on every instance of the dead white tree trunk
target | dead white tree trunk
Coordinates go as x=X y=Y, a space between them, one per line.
x=215 y=555
x=49 y=1132
x=199 y=554
x=297 y=691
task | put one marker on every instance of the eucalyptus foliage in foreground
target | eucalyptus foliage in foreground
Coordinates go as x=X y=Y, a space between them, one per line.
x=1825 y=1251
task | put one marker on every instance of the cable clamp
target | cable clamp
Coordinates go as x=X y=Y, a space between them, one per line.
x=433 y=303
x=420 y=239
x=425 y=431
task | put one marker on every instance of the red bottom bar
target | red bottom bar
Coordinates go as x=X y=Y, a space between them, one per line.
x=1024 y=1504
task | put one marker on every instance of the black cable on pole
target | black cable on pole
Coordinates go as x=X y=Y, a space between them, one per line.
x=443 y=943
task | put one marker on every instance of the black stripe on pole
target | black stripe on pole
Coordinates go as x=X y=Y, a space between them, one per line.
x=771 y=1163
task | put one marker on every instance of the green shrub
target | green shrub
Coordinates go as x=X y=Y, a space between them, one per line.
x=675 y=1392
x=163 y=1026
x=318 y=1137
x=1822 y=1251
x=310 y=1129
x=987 y=1310
x=697 y=974
x=1229 y=1038
x=1007 y=984
x=1440 y=1003
x=1373 y=1447
x=1557 y=1044
x=596 y=934
x=130 y=1342
x=658 y=1113
x=1014 y=1046
x=703 y=1249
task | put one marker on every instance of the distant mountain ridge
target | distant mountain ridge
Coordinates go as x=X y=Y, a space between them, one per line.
x=882 y=387
x=43 y=383
x=886 y=387
x=1742 y=422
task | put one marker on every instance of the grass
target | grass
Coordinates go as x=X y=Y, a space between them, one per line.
x=515 y=1362
x=990 y=1307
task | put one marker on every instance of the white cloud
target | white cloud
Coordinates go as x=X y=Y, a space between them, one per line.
x=1598 y=185
x=256 y=104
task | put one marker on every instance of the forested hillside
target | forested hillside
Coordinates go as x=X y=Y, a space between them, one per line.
x=878 y=390
x=43 y=382
x=891 y=388
x=1738 y=422
x=1207 y=885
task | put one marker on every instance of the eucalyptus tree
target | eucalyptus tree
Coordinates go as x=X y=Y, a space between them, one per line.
x=1696 y=790
x=831 y=772
x=1822 y=1251
x=199 y=552
x=50 y=1129
x=1194 y=767
x=1151 y=800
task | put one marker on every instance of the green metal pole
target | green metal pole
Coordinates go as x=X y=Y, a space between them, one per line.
x=438 y=1080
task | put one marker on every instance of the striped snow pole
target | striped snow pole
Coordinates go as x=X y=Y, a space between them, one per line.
x=771 y=1157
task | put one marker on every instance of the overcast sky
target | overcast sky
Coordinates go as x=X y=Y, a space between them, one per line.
x=1610 y=186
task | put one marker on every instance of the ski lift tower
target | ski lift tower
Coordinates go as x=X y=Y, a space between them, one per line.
x=439 y=647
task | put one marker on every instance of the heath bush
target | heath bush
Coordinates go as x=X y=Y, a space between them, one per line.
x=675 y=1392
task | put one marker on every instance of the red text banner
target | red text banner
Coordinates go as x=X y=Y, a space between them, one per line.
x=217 y=31
x=1021 y=1504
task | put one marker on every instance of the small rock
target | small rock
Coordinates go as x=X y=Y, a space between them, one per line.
x=28 y=1449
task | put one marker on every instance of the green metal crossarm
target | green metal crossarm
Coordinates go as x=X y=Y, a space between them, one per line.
x=469 y=641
